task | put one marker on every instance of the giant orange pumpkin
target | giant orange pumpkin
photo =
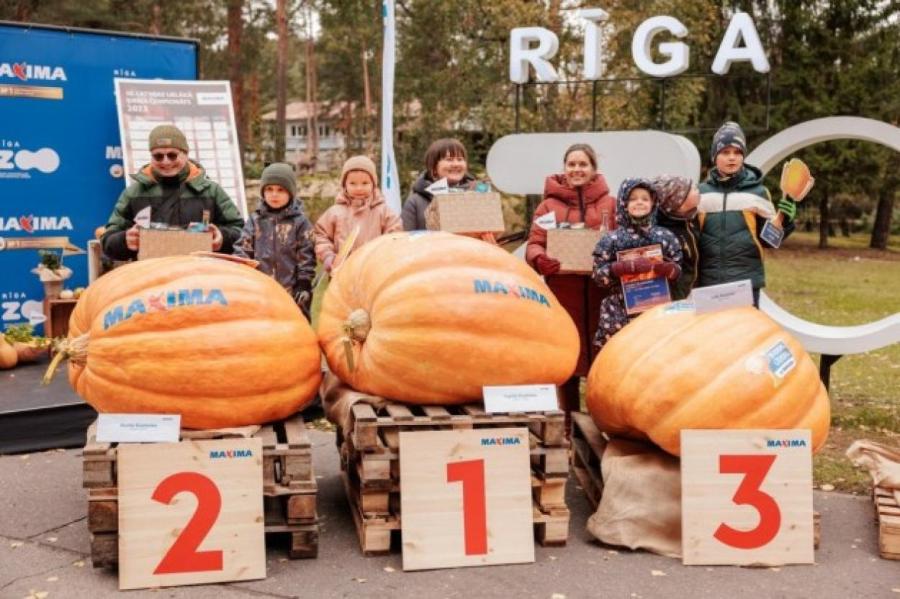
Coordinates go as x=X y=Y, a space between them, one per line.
x=217 y=342
x=672 y=369
x=430 y=318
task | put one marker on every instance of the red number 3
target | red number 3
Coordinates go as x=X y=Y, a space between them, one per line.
x=183 y=555
x=756 y=467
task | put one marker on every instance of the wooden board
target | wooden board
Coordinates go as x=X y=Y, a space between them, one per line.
x=465 y=498
x=470 y=212
x=190 y=513
x=573 y=248
x=159 y=243
x=888 y=513
x=746 y=497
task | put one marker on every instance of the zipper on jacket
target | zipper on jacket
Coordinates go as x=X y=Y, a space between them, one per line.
x=723 y=242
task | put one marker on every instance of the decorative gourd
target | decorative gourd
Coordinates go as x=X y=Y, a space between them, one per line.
x=429 y=318
x=673 y=369
x=217 y=342
x=31 y=351
x=8 y=356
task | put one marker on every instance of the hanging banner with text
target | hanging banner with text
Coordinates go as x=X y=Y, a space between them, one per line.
x=60 y=161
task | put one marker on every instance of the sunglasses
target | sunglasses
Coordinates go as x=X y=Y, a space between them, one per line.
x=158 y=156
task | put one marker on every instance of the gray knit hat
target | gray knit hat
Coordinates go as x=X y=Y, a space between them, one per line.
x=280 y=173
x=729 y=134
x=168 y=136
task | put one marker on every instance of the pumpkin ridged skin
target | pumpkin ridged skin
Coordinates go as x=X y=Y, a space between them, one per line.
x=252 y=361
x=672 y=370
x=433 y=339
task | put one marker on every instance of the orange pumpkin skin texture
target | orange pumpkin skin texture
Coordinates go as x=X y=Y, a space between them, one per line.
x=245 y=357
x=431 y=323
x=670 y=370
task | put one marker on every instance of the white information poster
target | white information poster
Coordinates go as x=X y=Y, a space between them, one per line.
x=201 y=109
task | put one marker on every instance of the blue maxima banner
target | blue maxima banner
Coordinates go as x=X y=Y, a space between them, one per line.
x=60 y=159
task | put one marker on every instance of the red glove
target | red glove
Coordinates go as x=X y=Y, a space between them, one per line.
x=669 y=270
x=546 y=265
x=631 y=267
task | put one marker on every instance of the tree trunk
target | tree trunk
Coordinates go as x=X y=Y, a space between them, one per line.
x=881 y=229
x=235 y=74
x=23 y=11
x=252 y=116
x=156 y=19
x=823 y=221
x=280 y=80
x=367 y=91
x=844 y=223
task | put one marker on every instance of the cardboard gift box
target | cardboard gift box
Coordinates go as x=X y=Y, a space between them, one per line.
x=573 y=248
x=159 y=243
x=467 y=212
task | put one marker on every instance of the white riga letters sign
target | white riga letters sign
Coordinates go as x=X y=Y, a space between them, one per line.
x=740 y=43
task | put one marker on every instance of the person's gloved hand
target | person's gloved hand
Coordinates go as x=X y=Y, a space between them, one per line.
x=631 y=267
x=669 y=270
x=787 y=207
x=546 y=265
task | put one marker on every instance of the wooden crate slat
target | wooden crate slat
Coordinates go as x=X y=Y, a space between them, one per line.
x=398 y=411
x=436 y=412
x=295 y=431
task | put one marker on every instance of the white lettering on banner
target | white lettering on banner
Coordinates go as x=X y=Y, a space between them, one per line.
x=114 y=152
x=642 y=47
x=30 y=223
x=741 y=29
x=521 y=54
x=24 y=71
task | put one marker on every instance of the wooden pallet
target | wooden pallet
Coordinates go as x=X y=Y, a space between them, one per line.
x=370 y=464
x=289 y=489
x=887 y=511
x=588 y=444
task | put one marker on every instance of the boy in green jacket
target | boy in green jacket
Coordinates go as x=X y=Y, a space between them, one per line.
x=734 y=207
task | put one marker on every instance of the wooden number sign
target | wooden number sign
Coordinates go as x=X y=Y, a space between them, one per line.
x=465 y=498
x=746 y=497
x=190 y=513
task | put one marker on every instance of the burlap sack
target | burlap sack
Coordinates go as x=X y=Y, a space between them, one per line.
x=338 y=400
x=882 y=462
x=641 y=503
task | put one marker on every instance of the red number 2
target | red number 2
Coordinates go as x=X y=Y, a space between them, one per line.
x=756 y=467
x=183 y=555
x=471 y=474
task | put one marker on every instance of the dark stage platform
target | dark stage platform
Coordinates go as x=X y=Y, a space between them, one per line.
x=33 y=417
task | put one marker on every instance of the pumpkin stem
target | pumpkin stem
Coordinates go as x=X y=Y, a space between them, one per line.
x=358 y=325
x=74 y=349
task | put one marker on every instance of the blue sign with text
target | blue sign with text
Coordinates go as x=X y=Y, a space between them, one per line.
x=60 y=156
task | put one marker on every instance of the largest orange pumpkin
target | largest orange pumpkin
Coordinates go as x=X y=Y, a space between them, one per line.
x=430 y=318
x=672 y=369
x=217 y=342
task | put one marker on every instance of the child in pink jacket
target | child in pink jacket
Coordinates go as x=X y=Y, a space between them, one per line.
x=359 y=203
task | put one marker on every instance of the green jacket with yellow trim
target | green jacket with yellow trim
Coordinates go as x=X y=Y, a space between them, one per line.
x=733 y=211
x=179 y=203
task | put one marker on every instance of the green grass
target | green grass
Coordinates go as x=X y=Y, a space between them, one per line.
x=845 y=285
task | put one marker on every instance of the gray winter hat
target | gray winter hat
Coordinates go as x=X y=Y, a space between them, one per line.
x=279 y=173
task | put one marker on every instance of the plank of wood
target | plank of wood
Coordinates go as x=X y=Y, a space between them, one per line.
x=295 y=431
x=399 y=412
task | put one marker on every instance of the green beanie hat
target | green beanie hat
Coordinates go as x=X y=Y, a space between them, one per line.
x=168 y=136
x=280 y=173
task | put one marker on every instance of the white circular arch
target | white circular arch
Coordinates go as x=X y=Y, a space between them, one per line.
x=784 y=143
x=834 y=340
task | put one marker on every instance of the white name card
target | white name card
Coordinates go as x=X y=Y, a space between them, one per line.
x=138 y=428
x=722 y=297
x=520 y=398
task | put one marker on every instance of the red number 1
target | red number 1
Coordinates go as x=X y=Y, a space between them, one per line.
x=471 y=474
x=756 y=467
x=183 y=555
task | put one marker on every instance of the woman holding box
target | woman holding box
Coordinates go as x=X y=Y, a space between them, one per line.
x=577 y=197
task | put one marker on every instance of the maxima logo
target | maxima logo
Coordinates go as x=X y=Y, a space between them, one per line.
x=28 y=72
x=32 y=223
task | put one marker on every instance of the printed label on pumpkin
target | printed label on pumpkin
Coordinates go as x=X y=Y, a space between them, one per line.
x=780 y=360
x=510 y=289
x=162 y=302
